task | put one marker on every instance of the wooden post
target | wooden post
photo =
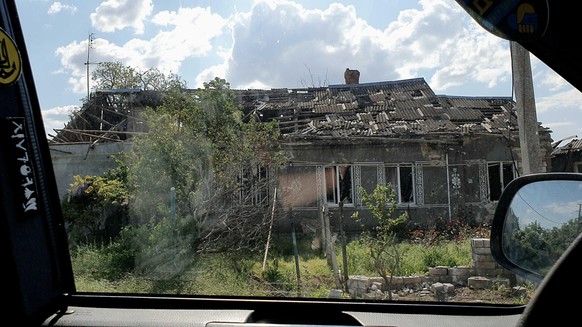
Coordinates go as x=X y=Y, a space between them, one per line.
x=296 y=254
x=270 y=230
x=322 y=214
x=330 y=251
x=344 y=249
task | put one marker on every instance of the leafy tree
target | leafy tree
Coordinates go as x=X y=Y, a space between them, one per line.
x=114 y=75
x=168 y=156
x=381 y=241
x=532 y=247
x=539 y=248
x=562 y=237
x=221 y=124
x=201 y=166
x=95 y=208
x=217 y=164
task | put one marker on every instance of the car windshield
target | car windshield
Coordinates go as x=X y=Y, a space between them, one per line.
x=298 y=149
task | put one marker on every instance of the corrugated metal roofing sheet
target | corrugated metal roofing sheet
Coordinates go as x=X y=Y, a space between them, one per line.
x=573 y=146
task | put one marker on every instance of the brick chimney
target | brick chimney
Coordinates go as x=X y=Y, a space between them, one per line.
x=352 y=76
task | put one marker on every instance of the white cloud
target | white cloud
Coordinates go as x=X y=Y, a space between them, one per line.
x=186 y=33
x=73 y=56
x=445 y=39
x=189 y=34
x=57 y=7
x=566 y=210
x=299 y=46
x=112 y=15
x=547 y=78
x=570 y=99
x=57 y=117
x=561 y=112
x=282 y=44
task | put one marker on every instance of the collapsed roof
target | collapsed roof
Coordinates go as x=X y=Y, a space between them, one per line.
x=573 y=146
x=402 y=108
x=385 y=109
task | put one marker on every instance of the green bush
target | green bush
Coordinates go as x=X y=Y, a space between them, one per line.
x=449 y=254
x=106 y=262
x=358 y=258
x=417 y=260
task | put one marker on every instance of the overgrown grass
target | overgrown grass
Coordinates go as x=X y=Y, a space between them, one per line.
x=98 y=270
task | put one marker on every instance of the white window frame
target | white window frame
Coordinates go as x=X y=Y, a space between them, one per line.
x=334 y=181
x=399 y=187
x=502 y=182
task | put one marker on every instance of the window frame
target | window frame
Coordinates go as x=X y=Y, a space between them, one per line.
x=336 y=184
x=399 y=188
x=254 y=183
x=502 y=181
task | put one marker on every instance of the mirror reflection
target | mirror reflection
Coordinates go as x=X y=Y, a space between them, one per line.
x=542 y=221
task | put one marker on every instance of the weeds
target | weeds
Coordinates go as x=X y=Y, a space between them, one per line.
x=97 y=269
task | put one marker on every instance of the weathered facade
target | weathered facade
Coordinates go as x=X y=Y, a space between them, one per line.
x=448 y=157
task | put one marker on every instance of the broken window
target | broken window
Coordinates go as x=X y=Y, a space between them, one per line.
x=338 y=184
x=254 y=186
x=401 y=177
x=500 y=174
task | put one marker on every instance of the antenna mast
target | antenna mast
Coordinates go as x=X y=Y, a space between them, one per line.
x=89 y=44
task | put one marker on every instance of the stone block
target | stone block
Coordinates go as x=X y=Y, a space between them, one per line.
x=438 y=271
x=478 y=282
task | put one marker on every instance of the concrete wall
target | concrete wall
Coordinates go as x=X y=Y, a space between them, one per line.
x=450 y=175
x=451 y=178
x=83 y=159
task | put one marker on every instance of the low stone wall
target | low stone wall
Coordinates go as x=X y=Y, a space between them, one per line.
x=483 y=261
x=484 y=273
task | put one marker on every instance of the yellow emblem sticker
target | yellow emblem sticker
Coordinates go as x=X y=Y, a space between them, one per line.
x=10 y=61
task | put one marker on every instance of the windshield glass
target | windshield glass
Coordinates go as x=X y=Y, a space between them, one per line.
x=329 y=149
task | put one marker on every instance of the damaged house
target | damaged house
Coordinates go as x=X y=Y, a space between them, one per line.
x=448 y=157
x=567 y=157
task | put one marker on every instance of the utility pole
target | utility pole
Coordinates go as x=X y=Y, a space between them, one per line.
x=526 y=110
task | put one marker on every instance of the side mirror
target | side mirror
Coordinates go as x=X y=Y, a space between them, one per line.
x=536 y=220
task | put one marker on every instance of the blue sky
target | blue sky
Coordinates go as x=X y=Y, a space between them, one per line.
x=551 y=203
x=277 y=44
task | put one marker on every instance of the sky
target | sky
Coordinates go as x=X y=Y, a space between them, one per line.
x=549 y=203
x=266 y=44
